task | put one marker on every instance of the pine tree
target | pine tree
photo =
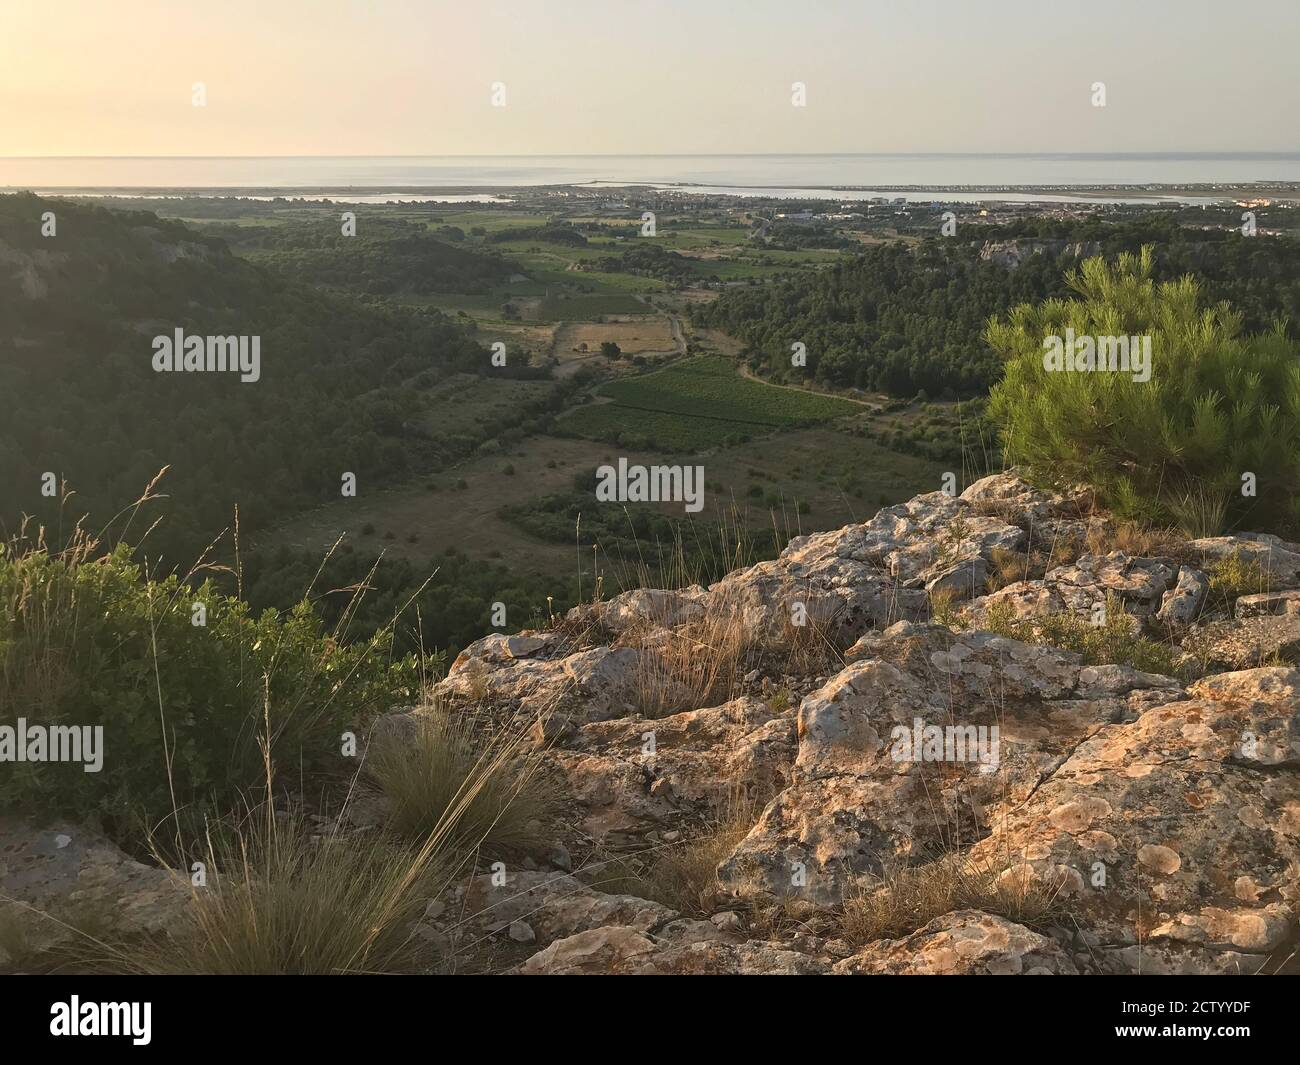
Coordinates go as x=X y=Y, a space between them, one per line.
x=1179 y=448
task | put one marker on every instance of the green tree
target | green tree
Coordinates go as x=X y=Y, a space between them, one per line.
x=1220 y=413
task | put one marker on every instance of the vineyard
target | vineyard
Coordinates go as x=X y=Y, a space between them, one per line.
x=697 y=403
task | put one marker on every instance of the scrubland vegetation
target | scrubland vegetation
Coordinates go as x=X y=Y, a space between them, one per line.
x=240 y=691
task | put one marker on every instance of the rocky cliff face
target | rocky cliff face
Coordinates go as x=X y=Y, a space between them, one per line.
x=1011 y=253
x=890 y=719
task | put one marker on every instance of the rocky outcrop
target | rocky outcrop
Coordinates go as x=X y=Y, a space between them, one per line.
x=1179 y=828
x=534 y=675
x=1160 y=815
x=1140 y=585
x=1011 y=253
x=963 y=943
x=628 y=775
x=1244 y=642
x=1110 y=819
x=870 y=575
x=1006 y=714
x=60 y=877
x=625 y=952
x=1182 y=604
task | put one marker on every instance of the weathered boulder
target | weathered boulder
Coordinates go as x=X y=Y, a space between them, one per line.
x=870 y=790
x=554 y=906
x=1173 y=828
x=587 y=685
x=597 y=951
x=1244 y=643
x=77 y=876
x=1261 y=603
x=963 y=943
x=1140 y=585
x=499 y=649
x=653 y=607
x=700 y=759
x=1047 y=517
x=868 y=575
x=1183 y=602
x=624 y=951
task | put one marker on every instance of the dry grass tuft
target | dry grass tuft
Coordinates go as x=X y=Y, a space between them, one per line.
x=281 y=901
x=1232 y=577
x=685 y=877
x=494 y=792
x=1134 y=540
x=903 y=900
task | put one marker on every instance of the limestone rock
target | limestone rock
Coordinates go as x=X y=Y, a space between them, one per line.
x=624 y=951
x=701 y=757
x=71 y=872
x=1183 y=602
x=966 y=942
x=551 y=905
x=1252 y=606
x=856 y=807
x=589 y=685
x=1159 y=821
x=1242 y=643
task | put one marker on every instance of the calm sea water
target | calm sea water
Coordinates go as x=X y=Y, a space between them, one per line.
x=787 y=175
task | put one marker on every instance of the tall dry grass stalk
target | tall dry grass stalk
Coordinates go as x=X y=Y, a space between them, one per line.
x=497 y=790
x=282 y=899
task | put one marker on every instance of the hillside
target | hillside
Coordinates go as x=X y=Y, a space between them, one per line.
x=902 y=318
x=81 y=399
x=734 y=791
x=383 y=257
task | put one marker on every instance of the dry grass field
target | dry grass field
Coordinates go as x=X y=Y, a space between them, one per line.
x=643 y=334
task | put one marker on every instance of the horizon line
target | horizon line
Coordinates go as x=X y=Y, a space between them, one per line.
x=1291 y=153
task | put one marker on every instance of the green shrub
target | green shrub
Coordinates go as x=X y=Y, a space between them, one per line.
x=1113 y=642
x=1232 y=577
x=185 y=707
x=1218 y=404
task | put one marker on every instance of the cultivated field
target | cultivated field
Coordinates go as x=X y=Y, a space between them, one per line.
x=698 y=403
x=644 y=334
x=459 y=507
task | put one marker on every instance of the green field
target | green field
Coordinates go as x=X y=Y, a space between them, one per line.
x=562 y=308
x=698 y=403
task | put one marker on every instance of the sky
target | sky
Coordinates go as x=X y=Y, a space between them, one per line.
x=402 y=77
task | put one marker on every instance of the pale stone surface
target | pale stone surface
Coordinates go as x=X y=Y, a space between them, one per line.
x=963 y=943
x=1183 y=602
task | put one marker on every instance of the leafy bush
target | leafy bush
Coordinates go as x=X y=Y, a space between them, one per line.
x=1218 y=404
x=1232 y=577
x=185 y=707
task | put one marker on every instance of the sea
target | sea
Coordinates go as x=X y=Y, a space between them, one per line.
x=1050 y=177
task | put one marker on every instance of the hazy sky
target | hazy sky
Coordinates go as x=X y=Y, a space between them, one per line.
x=387 y=77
